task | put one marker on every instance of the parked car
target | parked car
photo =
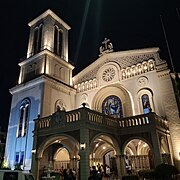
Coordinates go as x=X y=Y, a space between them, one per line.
x=15 y=175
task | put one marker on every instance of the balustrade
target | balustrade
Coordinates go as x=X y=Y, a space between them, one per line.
x=99 y=118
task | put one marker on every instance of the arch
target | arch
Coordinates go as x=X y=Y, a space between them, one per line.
x=23 y=117
x=37 y=38
x=108 y=138
x=116 y=90
x=56 y=73
x=63 y=138
x=148 y=94
x=138 y=154
x=151 y=64
x=136 y=137
x=58 y=40
x=60 y=105
x=103 y=150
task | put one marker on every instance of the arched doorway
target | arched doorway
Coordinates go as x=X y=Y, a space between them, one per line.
x=58 y=153
x=61 y=159
x=138 y=155
x=103 y=154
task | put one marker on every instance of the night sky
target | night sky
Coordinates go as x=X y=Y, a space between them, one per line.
x=129 y=24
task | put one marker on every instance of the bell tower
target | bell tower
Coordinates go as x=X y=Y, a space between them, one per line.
x=47 y=49
x=45 y=83
x=49 y=32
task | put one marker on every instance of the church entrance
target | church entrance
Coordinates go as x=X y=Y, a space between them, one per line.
x=138 y=156
x=58 y=153
x=103 y=155
x=61 y=160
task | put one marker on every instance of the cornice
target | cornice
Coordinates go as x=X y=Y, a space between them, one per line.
x=123 y=58
x=27 y=85
x=53 y=15
x=44 y=53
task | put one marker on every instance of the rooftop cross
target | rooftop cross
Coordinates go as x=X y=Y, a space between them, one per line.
x=106 y=47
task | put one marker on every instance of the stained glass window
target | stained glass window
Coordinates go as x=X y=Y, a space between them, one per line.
x=112 y=106
x=146 y=103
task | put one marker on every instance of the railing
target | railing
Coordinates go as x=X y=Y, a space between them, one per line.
x=87 y=115
x=134 y=121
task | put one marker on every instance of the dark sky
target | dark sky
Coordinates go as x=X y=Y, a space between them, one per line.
x=129 y=24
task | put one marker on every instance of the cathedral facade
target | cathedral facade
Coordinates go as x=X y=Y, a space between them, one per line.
x=120 y=111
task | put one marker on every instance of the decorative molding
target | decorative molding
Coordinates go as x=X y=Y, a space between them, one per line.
x=108 y=74
x=123 y=62
x=142 y=81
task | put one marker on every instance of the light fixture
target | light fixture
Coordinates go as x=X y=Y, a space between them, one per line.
x=33 y=151
x=58 y=141
x=82 y=146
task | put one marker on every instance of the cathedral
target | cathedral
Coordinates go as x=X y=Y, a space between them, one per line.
x=121 y=111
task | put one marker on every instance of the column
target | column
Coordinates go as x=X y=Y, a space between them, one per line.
x=118 y=166
x=156 y=148
x=35 y=168
x=122 y=166
x=84 y=146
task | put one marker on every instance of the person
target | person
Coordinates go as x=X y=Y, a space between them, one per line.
x=65 y=174
x=108 y=171
x=71 y=175
x=93 y=174
x=129 y=170
x=74 y=173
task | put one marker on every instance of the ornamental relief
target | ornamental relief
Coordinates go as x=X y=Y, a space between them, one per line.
x=124 y=62
x=142 y=81
x=108 y=74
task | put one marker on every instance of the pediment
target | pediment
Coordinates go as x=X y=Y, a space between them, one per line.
x=118 y=62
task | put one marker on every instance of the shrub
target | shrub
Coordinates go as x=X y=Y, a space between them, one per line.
x=166 y=171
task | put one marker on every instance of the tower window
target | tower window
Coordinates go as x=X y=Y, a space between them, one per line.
x=146 y=103
x=58 y=35
x=37 y=39
x=23 y=118
x=112 y=106
x=19 y=157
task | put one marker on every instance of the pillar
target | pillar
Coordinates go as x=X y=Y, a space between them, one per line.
x=156 y=148
x=118 y=166
x=122 y=166
x=35 y=168
x=84 y=147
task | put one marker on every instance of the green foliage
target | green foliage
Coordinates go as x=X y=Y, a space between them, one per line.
x=161 y=172
x=166 y=171
x=5 y=165
x=130 y=177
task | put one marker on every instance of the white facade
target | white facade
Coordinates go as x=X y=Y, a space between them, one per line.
x=46 y=81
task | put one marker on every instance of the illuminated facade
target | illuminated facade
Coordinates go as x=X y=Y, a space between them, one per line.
x=121 y=110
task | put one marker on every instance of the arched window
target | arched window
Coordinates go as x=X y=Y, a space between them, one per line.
x=112 y=106
x=146 y=103
x=58 y=35
x=60 y=105
x=23 y=118
x=37 y=39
